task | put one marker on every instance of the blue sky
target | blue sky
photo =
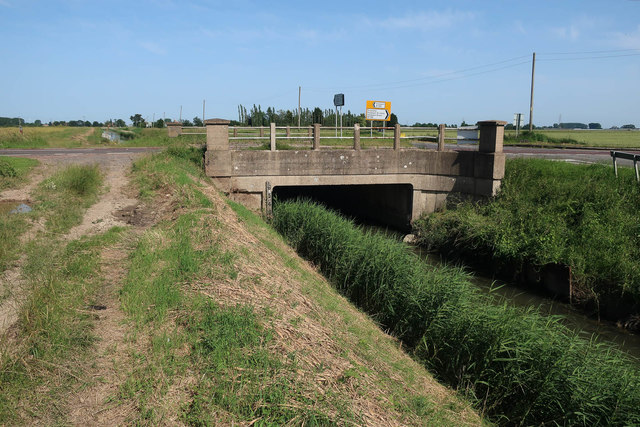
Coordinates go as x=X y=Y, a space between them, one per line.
x=436 y=61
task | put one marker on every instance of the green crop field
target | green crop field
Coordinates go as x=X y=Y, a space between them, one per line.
x=609 y=138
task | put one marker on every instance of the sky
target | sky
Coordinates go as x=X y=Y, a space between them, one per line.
x=435 y=61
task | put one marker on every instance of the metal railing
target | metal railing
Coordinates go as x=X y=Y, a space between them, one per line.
x=615 y=155
x=356 y=133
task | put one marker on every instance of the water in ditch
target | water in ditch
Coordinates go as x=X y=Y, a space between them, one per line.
x=573 y=319
x=503 y=292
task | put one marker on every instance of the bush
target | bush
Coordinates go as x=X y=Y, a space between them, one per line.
x=81 y=180
x=6 y=170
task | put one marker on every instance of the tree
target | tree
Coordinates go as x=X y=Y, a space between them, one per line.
x=628 y=127
x=120 y=123
x=316 y=116
x=159 y=123
x=595 y=126
x=393 y=120
x=186 y=123
x=197 y=121
x=137 y=120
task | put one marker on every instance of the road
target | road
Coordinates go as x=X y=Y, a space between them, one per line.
x=574 y=155
x=40 y=152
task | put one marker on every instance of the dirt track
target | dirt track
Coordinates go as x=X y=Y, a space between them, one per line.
x=116 y=206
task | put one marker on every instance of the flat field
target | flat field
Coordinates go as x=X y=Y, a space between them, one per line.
x=609 y=138
x=49 y=137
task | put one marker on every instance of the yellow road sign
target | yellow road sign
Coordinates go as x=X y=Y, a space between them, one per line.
x=378 y=111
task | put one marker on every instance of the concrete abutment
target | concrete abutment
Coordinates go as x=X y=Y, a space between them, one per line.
x=431 y=176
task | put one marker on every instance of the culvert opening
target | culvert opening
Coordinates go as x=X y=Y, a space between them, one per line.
x=384 y=205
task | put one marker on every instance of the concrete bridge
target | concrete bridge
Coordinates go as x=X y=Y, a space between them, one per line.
x=395 y=184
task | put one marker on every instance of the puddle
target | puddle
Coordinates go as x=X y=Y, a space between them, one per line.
x=13 y=207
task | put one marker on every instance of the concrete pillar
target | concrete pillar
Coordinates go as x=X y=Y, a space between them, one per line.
x=261 y=131
x=310 y=129
x=441 y=133
x=316 y=136
x=396 y=136
x=218 y=155
x=356 y=136
x=272 y=136
x=491 y=136
x=235 y=132
x=288 y=131
x=174 y=129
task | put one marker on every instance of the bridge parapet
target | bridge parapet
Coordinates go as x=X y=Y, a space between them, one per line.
x=249 y=175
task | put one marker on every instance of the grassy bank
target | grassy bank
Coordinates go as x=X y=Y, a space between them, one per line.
x=226 y=308
x=519 y=367
x=551 y=214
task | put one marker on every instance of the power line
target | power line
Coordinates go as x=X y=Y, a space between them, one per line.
x=590 y=57
x=457 y=77
x=589 y=52
x=374 y=85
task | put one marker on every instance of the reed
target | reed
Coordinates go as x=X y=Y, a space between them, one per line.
x=518 y=366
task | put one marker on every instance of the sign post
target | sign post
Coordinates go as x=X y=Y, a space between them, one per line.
x=338 y=101
x=378 y=111
x=517 y=122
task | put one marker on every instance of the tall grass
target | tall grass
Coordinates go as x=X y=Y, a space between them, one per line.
x=546 y=213
x=63 y=198
x=519 y=367
x=527 y=136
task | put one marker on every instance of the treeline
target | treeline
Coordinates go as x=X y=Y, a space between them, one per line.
x=18 y=121
x=257 y=117
x=326 y=117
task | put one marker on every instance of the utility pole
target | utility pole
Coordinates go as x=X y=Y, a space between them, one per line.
x=181 y=114
x=299 y=92
x=533 y=73
x=203 y=111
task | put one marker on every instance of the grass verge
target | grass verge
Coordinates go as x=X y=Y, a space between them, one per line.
x=519 y=367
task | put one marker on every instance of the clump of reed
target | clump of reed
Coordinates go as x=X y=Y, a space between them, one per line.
x=582 y=217
x=518 y=366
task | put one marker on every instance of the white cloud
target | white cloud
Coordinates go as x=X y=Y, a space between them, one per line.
x=425 y=21
x=586 y=26
x=519 y=27
x=566 y=33
x=153 y=48
x=628 y=40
